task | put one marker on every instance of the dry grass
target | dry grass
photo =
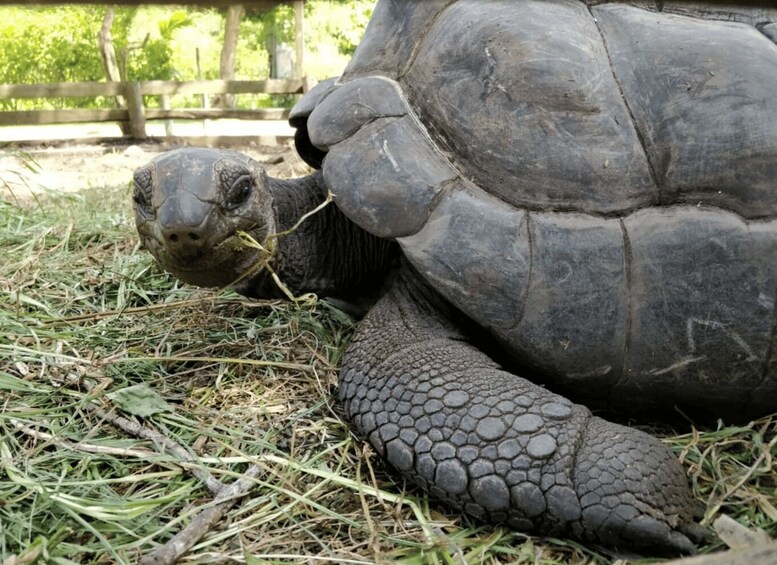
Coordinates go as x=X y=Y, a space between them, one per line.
x=232 y=384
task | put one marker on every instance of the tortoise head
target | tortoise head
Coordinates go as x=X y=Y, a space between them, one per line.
x=190 y=204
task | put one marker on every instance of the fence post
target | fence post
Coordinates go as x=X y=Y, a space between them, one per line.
x=166 y=105
x=137 y=115
x=308 y=83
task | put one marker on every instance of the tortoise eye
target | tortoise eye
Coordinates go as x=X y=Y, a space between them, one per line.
x=239 y=193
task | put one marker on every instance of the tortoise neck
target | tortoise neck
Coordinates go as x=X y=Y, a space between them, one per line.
x=326 y=253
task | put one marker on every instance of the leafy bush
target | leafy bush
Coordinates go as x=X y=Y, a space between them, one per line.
x=41 y=44
x=59 y=44
x=152 y=59
x=50 y=45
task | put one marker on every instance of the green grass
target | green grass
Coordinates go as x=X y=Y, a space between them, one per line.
x=85 y=316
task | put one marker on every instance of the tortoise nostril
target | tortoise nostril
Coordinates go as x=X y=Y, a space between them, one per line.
x=184 y=238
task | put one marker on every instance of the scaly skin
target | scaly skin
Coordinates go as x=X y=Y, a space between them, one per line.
x=497 y=446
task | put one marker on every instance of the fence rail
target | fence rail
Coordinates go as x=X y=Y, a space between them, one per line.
x=135 y=113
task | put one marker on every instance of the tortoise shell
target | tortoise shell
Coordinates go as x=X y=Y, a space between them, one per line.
x=592 y=183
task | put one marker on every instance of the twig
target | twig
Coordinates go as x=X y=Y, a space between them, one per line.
x=81 y=446
x=184 y=540
x=326 y=202
x=225 y=497
x=269 y=249
x=211 y=483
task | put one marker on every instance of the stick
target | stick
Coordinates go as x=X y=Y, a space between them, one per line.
x=165 y=443
x=184 y=540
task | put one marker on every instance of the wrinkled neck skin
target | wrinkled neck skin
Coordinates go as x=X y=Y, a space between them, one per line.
x=326 y=254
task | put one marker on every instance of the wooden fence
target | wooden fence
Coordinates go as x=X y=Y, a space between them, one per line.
x=135 y=113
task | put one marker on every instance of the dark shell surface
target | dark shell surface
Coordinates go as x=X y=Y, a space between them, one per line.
x=592 y=182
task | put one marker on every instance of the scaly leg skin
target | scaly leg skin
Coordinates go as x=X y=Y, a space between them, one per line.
x=498 y=447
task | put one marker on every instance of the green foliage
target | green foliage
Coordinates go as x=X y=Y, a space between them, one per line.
x=348 y=36
x=278 y=22
x=177 y=20
x=59 y=44
x=40 y=45
x=153 y=60
x=152 y=57
x=332 y=31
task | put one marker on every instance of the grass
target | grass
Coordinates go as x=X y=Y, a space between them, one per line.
x=98 y=347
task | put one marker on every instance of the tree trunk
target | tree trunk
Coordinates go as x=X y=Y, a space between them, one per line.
x=110 y=62
x=227 y=64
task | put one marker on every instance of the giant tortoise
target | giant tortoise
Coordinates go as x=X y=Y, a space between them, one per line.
x=535 y=201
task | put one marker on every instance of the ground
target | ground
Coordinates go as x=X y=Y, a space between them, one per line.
x=73 y=167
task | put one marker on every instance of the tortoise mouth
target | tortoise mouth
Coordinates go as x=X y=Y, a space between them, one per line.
x=218 y=265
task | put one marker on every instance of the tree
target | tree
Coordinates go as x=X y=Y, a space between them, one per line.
x=110 y=62
x=227 y=65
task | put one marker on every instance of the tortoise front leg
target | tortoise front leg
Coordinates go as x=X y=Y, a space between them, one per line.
x=497 y=446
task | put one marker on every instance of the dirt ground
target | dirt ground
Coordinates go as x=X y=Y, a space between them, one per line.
x=73 y=167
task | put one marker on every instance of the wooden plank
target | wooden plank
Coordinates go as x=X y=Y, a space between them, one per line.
x=151 y=87
x=269 y=86
x=166 y=142
x=39 y=117
x=61 y=89
x=217 y=113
